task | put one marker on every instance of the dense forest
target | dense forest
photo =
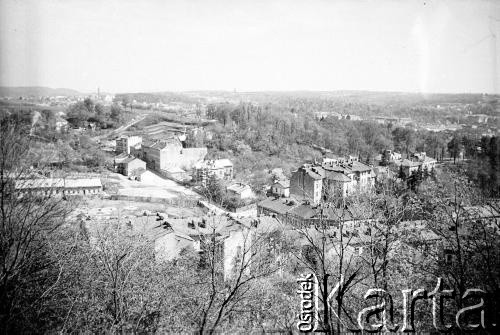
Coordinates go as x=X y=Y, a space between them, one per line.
x=265 y=137
x=87 y=111
x=60 y=148
x=275 y=131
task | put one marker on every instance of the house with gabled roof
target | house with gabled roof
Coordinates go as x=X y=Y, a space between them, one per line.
x=128 y=165
x=417 y=161
x=240 y=190
x=281 y=188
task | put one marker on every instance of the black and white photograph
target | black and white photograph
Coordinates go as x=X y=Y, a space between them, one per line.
x=249 y=167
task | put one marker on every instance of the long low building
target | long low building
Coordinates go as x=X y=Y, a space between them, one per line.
x=62 y=186
x=300 y=213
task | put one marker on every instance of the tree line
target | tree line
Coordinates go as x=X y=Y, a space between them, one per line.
x=87 y=111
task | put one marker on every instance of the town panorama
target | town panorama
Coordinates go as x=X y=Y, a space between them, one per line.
x=247 y=211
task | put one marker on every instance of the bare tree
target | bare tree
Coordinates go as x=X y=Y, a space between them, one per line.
x=467 y=254
x=214 y=191
x=118 y=286
x=384 y=212
x=27 y=222
x=327 y=251
x=217 y=288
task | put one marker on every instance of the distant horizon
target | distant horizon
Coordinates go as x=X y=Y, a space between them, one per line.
x=255 y=91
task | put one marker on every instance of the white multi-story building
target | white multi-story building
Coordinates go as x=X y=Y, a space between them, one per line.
x=332 y=177
x=220 y=168
x=124 y=143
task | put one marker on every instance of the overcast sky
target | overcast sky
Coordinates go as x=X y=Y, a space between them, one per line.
x=122 y=45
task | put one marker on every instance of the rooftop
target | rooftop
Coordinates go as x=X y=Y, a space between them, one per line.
x=285 y=183
x=337 y=176
x=57 y=183
x=238 y=187
x=409 y=163
x=130 y=159
x=195 y=227
x=306 y=211
x=337 y=170
x=162 y=144
x=279 y=206
x=314 y=172
x=359 y=167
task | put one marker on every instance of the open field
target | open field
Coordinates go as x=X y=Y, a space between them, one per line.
x=155 y=186
x=104 y=210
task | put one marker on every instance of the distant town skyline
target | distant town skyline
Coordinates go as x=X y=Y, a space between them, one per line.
x=277 y=45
